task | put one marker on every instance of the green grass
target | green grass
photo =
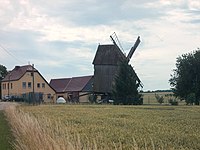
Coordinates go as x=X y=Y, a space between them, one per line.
x=5 y=133
x=124 y=127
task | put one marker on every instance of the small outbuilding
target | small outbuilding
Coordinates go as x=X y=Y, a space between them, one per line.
x=75 y=89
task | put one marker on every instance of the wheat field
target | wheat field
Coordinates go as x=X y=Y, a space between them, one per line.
x=149 y=98
x=106 y=127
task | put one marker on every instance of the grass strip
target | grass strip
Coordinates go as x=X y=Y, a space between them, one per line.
x=5 y=133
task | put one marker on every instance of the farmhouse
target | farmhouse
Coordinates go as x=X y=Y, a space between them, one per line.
x=75 y=89
x=26 y=82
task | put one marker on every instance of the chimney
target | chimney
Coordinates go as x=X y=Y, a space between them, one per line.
x=17 y=67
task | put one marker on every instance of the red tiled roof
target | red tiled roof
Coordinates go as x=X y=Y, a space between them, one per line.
x=59 y=84
x=18 y=72
x=70 y=84
x=77 y=83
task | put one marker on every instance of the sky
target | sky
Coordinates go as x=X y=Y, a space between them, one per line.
x=60 y=37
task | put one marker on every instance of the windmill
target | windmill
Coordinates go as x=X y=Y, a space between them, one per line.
x=106 y=64
x=115 y=40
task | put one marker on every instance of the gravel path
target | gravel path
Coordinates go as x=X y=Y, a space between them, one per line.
x=3 y=105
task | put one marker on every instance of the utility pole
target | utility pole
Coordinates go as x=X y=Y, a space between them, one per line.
x=9 y=85
x=33 y=80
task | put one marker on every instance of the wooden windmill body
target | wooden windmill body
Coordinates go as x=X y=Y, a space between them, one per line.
x=106 y=64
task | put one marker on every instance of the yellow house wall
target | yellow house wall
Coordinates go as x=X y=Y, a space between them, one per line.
x=17 y=87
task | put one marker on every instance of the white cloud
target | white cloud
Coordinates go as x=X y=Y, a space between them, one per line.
x=194 y=4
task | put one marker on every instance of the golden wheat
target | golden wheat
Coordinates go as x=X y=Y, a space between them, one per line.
x=30 y=134
x=105 y=127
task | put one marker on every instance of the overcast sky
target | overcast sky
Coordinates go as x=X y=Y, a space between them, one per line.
x=61 y=36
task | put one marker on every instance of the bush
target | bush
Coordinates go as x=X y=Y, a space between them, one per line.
x=190 y=99
x=92 y=98
x=173 y=101
x=129 y=101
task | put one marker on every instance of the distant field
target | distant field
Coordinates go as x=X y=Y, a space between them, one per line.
x=113 y=127
x=149 y=98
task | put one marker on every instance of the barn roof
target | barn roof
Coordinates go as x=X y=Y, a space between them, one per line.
x=77 y=83
x=59 y=84
x=18 y=72
x=71 y=84
x=108 y=55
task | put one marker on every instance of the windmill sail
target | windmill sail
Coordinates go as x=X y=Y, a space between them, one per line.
x=138 y=80
x=133 y=48
x=114 y=38
x=130 y=54
x=116 y=41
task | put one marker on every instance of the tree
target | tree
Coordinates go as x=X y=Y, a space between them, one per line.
x=125 y=87
x=185 y=80
x=3 y=73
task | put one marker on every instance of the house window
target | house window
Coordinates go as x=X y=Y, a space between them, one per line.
x=49 y=96
x=11 y=85
x=8 y=85
x=38 y=85
x=29 y=84
x=23 y=85
x=43 y=85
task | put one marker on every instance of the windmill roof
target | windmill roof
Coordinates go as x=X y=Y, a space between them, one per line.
x=108 y=55
x=18 y=72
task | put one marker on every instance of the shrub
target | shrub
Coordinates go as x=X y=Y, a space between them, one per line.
x=190 y=99
x=92 y=98
x=173 y=101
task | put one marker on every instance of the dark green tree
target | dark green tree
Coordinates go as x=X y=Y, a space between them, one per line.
x=185 y=80
x=3 y=73
x=125 y=87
